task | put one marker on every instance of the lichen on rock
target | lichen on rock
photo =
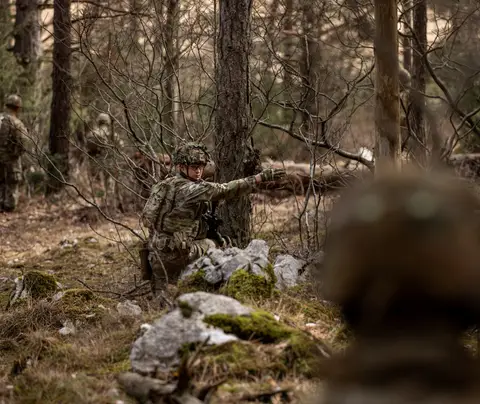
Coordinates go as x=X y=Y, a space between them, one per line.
x=39 y=285
x=81 y=304
x=299 y=348
x=195 y=282
x=33 y=285
x=245 y=285
x=159 y=348
x=218 y=265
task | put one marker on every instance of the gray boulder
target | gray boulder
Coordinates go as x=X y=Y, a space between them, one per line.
x=292 y=271
x=158 y=347
x=288 y=270
x=219 y=265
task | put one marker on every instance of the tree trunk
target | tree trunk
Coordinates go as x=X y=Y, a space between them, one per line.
x=406 y=42
x=27 y=50
x=233 y=118
x=387 y=107
x=60 y=107
x=418 y=82
x=5 y=21
x=6 y=26
x=171 y=65
x=26 y=32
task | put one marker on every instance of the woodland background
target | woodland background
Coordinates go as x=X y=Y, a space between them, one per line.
x=297 y=80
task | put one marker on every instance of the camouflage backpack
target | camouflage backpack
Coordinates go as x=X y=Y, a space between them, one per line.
x=159 y=204
x=10 y=144
x=96 y=140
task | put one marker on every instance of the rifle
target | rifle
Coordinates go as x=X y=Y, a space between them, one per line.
x=213 y=223
x=145 y=266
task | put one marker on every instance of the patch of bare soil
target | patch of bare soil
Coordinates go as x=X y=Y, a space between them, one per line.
x=76 y=245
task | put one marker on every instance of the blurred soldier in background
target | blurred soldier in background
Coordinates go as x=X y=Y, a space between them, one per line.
x=402 y=262
x=13 y=135
x=102 y=144
x=178 y=214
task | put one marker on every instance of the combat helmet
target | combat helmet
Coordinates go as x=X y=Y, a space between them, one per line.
x=404 y=243
x=191 y=153
x=103 y=119
x=13 y=101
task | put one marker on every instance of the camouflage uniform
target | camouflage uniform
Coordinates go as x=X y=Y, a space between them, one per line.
x=402 y=262
x=101 y=146
x=173 y=214
x=12 y=139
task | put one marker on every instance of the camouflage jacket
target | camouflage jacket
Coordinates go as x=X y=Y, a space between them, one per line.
x=173 y=212
x=12 y=138
x=100 y=141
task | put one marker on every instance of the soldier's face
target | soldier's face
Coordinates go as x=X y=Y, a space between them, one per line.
x=195 y=172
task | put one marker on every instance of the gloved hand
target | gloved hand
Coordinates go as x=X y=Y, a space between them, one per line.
x=272 y=174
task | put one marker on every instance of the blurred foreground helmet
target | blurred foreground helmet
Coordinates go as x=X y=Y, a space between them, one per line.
x=191 y=154
x=13 y=101
x=402 y=240
x=103 y=119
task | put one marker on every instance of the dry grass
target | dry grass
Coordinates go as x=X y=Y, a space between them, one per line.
x=40 y=365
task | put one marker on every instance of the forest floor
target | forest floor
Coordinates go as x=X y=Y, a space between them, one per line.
x=82 y=250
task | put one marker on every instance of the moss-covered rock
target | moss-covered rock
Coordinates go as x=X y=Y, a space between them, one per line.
x=77 y=296
x=244 y=285
x=185 y=308
x=260 y=326
x=194 y=283
x=39 y=285
x=300 y=349
x=81 y=304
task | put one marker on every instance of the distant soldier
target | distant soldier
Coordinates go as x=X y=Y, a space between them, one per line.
x=12 y=145
x=101 y=146
x=402 y=261
x=176 y=208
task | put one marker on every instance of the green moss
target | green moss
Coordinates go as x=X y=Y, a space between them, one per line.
x=244 y=285
x=39 y=284
x=301 y=350
x=185 y=308
x=303 y=353
x=78 y=303
x=187 y=349
x=194 y=283
x=244 y=359
x=77 y=296
x=260 y=326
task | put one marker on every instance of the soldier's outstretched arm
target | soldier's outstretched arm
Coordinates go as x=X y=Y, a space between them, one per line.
x=209 y=191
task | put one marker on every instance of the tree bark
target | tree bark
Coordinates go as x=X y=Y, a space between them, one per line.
x=233 y=118
x=26 y=32
x=5 y=19
x=406 y=42
x=27 y=50
x=387 y=107
x=60 y=106
x=418 y=82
